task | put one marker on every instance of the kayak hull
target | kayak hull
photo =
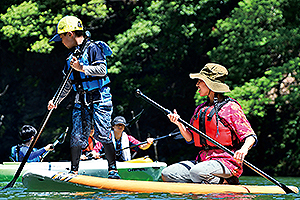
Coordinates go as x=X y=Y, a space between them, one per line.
x=49 y=181
x=137 y=169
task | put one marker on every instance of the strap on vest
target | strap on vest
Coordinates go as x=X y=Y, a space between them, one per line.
x=207 y=148
x=18 y=156
x=80 y=80
x=218 y=106
x=78 y=53
x=202 y=126
x=18 y=153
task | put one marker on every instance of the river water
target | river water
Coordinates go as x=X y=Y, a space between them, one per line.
x=19 y=192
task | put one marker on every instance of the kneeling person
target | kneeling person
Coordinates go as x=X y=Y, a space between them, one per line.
x=122 y=140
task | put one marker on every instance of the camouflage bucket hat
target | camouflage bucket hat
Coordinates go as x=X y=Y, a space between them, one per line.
x=214 y=76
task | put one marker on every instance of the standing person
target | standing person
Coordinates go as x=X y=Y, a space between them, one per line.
x=220 y=118
x=93 y=101
x=18 y=152
x=122 y=140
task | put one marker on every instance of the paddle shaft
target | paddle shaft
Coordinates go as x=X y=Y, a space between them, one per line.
x=2 y=93
x=145 y=142
x=42 y=126
x=166 y=111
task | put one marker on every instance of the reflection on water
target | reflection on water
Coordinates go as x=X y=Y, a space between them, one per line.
x=19 y=192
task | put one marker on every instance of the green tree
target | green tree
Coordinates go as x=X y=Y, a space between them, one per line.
x=30 y=24
x=33 y=68
x=258 y=42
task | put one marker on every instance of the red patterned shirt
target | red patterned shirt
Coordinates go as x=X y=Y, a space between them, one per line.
x=234 y=115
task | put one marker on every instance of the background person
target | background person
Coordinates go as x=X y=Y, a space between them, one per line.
x=122 y=140
x=18 y=152
x=222 y=119
x=87 y=152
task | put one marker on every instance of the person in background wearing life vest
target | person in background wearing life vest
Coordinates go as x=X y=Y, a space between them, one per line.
x=18 y=152
x=222 y=119
x=93 y=101
x=87 y=152
x=122 y=140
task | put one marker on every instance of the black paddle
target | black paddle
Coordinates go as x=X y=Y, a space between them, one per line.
x=134 y=119
x=145 y=142
x=59 y=140
x=42 y=126
x=166 y=111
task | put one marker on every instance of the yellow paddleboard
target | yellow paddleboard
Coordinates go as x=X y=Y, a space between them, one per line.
x=43 y=181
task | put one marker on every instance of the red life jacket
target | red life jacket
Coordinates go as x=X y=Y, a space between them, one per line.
x=91 y=145
x=206 y=121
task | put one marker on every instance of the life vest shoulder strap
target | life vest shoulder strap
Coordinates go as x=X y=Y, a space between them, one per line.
x=219 y=106
x=77 y=78
x=18 y=149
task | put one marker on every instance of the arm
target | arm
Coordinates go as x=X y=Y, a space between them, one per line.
x=97 y=66
x=91 y=70
x=33 y=154
x=98 y=147
x=147 y=145
x=63 y=95
x=244 y=131
x=184 y=132
x=243 y=151
x=134 y=141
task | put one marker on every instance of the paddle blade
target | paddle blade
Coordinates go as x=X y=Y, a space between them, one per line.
x=9 y=185
x=287 y=189
x=62 y=137
x=135 y=119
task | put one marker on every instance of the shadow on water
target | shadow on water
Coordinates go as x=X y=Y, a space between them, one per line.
x=19 y=192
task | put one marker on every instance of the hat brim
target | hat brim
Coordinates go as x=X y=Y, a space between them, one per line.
x=120 y=123
x=56 y=38
x=212 y=85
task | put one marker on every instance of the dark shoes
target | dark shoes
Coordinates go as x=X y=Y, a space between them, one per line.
x=113 y=175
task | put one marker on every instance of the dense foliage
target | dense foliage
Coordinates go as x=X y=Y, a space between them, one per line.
x=156 y=45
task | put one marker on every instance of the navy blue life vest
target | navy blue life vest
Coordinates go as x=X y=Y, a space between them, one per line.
x=89 y=83
x=16 y=157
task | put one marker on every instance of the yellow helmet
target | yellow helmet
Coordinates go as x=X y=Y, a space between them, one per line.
x=67 y=24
